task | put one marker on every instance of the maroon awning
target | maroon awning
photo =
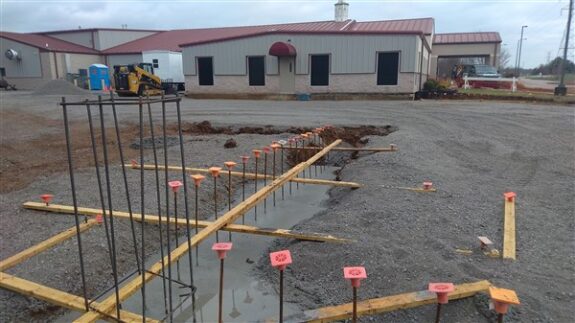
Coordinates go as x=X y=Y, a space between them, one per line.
x=281 y=49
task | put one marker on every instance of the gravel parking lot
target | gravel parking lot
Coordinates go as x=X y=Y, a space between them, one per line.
x=472 y=151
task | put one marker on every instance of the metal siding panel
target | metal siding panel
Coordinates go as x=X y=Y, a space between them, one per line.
x=350 y=53
x=111 y=38
x=28 y=66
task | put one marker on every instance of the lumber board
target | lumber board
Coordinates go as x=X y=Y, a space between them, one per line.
x=509 y=231
x=390 y=303
x=131 y=287
x=44 y=245
x=380 y=150
x=55 y=296
x=151 y=218
x=250 y=175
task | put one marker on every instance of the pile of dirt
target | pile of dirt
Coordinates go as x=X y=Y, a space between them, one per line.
x=353 y=136
x=59 y=87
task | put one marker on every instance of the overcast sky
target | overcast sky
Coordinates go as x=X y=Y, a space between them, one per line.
x=545 y=18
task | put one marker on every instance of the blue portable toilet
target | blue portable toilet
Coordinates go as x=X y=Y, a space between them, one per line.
x=98 y=76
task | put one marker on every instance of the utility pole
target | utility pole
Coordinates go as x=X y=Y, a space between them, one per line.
x=561 y=89
x=517 y=71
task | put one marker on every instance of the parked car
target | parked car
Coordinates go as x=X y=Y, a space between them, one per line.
x=474 y=70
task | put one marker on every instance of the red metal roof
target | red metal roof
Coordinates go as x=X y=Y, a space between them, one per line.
x=172 y=40
x=467 y=38
x=47 y=43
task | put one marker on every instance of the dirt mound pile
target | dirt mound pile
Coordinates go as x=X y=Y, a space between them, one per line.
x=59 y=87
x=353 y=136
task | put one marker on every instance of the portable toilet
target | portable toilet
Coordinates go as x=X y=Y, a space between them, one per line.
x=99 y=77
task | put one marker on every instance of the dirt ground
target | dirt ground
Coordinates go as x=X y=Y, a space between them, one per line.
x=471 y=151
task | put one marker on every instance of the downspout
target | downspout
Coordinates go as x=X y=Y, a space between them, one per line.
x=56 y=65
x=421 y=63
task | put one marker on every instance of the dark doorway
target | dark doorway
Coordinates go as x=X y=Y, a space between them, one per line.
x=256 y=71
x=320 y=70
x=387 y=68
x=205 y=71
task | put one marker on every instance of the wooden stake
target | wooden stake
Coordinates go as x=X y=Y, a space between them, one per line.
x=509 y=230
x=131 y=287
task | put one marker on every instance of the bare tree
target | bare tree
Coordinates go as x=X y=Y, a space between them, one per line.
x=504 y=58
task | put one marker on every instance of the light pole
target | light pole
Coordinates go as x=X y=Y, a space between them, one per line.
x=519 y=54
x=561 y=89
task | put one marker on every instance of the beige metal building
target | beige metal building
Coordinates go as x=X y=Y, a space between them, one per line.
x=32 y=59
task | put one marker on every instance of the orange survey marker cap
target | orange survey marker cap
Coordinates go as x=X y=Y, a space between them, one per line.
x=280 y=259
x=222 y=248
x=99 y=218
x=510 y=196
x=215 y=171
x=47 y=198
x=502 y=297
x=427 y=185
x=245 y=159
x=175 y=186
x=442 y=290
x=197 y=179
x=134 y=163
x=257 y=153
x=275 y=146
x=230 y=164
x=355 y=274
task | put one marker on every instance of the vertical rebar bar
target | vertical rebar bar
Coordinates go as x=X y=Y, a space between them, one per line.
x=216 y=205
x=274 y=173
x=109 y=194
x=438 y=313
x=221 y=296
x=128 y=199
x=354 y=317
x=196 y=216
x=265 y=179
x=142 y=208
x=256 y=189
x=185 y=182
x=165 y=144
x=75 y=202
x=296 y=161
x=282 y=170
x=243 y=187
x=159 y=205
x=176 y=232
x=500 y=318
x=281 y=296
x=229 y=197
x=99 y=180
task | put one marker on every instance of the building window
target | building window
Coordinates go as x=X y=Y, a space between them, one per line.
x=155 y=63
x=319 y=70
x=387 y=68
x=205 y=71
x=256 y=71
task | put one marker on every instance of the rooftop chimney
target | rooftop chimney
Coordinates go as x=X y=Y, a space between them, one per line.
x=341 y=10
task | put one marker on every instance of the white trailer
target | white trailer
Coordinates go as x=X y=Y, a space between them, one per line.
x=167 y=65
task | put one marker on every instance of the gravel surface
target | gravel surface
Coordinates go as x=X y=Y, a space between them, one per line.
x=471 y=151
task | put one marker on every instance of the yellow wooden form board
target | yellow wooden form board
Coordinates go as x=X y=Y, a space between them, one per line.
x=509 y=247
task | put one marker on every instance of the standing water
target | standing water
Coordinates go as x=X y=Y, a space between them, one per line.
x=246 y=298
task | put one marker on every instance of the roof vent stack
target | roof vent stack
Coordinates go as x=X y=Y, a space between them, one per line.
x=341 y=10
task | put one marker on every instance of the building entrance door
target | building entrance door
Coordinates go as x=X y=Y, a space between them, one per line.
x=287 y=74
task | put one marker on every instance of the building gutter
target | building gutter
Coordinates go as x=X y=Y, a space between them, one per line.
x=421 y=62
x=56 y=64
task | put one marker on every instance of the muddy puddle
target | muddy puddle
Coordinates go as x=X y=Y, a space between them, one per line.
x=246 y=298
